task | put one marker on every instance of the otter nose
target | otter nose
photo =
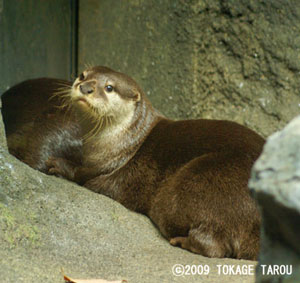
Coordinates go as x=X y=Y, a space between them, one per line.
x=86 y=88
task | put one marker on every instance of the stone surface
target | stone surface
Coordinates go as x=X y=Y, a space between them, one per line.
x=47 y=223
x=276 y=184
x=2 y=131
x=236 y=60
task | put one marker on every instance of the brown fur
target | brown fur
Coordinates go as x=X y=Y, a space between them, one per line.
x=37 y=127
x=190 y=177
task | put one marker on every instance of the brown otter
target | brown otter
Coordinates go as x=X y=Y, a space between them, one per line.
x=36 y=126
x=190 y=177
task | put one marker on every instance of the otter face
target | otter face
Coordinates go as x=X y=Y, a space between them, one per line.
x=106 y=92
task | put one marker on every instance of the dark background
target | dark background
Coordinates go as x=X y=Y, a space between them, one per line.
x=37 y=39
x=225 y=59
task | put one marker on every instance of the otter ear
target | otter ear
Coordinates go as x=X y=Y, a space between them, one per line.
x=136 y=95
x=131 y=93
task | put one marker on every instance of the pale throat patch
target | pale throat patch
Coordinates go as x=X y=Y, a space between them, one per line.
x=121 y=111
x=111 y=139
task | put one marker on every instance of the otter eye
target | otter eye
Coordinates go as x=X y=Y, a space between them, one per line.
x=109 y=88
x=81 y=77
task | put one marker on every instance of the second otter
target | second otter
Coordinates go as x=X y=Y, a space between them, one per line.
x=190 y=177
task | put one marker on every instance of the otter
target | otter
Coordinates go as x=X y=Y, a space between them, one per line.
x=36 y=125
x=189 y=177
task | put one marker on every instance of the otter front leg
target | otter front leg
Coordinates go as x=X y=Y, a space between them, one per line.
x=66 y=169
x=61 y=167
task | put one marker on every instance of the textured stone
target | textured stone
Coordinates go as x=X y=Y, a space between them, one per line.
x=47 y=223
x=2 y=132
x=276 y=184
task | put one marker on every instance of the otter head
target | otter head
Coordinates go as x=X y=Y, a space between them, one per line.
x=105 y=93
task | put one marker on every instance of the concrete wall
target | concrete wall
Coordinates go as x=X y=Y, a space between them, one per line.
x=36 y=40
x=236 y=60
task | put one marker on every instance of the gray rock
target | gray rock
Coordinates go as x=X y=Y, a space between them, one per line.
x=276 y=184
x=2 y=132
x=47 y=223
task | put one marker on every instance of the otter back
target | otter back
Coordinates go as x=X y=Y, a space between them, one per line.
x=35 y=125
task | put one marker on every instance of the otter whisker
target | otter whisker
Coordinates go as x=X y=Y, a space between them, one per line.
x=99 y=127
x=94 y=131
x=60 y=94
x=88 y=117
x=110 y=119
x=105 y=121
x=64 y=84
x=68 y=111
x=87 y=65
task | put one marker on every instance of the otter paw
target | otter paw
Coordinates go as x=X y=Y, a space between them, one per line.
x=182 y=242
x=54 y=166
x=178 y=241
x=60 y=167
